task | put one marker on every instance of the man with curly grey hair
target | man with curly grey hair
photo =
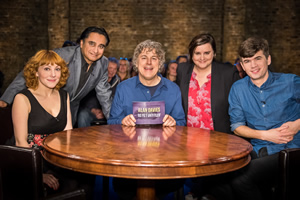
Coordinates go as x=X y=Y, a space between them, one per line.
x=149 y=85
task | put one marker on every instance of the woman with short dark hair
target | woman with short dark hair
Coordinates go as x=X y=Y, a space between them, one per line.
x=205 y=85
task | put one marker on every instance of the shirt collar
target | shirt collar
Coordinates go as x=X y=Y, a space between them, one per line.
x=85 y=65
x=265 y=84
x=113 y=79
x=139 y=84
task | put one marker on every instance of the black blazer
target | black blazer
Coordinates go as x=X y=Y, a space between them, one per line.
x=222 y=77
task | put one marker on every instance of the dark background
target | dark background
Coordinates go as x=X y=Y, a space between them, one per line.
x=31 y=25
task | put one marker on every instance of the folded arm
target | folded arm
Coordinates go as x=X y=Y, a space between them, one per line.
x=277 y=135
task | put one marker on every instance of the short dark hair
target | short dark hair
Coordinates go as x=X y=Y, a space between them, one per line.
x=200 y=40
x=94 y=29
x=252 y=45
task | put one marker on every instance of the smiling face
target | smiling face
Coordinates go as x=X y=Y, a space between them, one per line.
x=257 y=67
x=92 y=47
x=112 y=69
x=203 y=56
x=148 y=66
x=172 y=69
x=48 y=75
x=123 y=66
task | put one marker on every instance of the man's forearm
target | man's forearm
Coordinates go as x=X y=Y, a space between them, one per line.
x=247 y=132
x=297 y=122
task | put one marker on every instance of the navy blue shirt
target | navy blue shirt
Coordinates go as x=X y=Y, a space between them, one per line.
x=132 y=90
x=276 y=102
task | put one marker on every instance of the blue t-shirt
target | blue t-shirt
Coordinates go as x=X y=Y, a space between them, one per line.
x=262 y=108
x=132 y=90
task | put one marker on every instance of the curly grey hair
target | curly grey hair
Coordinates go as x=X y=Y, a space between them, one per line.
x=149 y=45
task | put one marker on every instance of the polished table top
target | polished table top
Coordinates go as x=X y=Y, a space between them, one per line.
x=147 y=152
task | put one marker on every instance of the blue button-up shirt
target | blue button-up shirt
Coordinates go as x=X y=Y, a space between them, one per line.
x=132 y=90
x=262 y=108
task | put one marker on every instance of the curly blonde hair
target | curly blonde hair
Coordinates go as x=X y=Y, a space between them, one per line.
x=44 y=57
x=150 y=46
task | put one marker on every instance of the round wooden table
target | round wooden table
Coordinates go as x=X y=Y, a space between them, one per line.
x=147 y=152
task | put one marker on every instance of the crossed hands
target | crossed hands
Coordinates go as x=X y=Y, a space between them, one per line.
x=129 y=120
x=283 y=134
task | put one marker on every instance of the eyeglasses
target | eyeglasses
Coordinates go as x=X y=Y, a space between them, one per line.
x=123 y=58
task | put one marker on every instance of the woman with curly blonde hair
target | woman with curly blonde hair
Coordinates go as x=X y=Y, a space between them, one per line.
x=43 y=108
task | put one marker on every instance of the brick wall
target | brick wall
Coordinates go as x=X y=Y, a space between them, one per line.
x=234 y=31
x=173 y=23
x=58 y=22
x=27 y=26
x=278 y=22
x=23 y=31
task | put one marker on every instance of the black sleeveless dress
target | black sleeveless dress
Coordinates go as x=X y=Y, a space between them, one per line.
x=41 y=123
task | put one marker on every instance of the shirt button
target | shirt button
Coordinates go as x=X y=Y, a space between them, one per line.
x=260 y=91
x=147 y=91
x=263 y=105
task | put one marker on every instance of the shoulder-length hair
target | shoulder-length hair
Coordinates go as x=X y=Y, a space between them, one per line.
x=44 y=57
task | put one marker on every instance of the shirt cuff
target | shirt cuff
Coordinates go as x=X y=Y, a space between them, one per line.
x=236 y=125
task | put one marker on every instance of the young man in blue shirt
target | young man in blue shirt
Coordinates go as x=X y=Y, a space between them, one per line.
x=149 y=85
x=264 y=107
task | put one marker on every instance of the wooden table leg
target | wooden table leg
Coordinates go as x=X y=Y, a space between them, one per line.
x=146 y=190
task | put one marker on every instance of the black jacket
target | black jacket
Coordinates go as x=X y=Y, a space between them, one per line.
x=222 y=77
